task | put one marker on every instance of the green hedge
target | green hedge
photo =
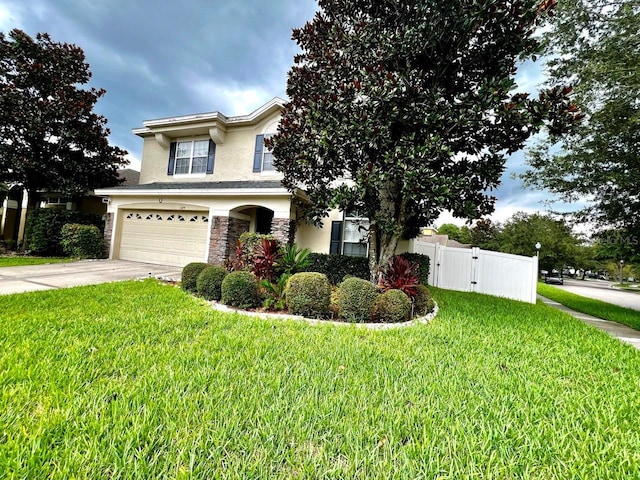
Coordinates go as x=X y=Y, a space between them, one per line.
x=392 y=306
x=240 y=289
x=209 y=282
x=82 y=241
x=355 y=299
x=308 y=294
x=190 y=274
x=44 y=229
x=336 y=267
x=423 y=262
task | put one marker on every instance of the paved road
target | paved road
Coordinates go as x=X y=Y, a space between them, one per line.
x=601 y=290
x=85 y=272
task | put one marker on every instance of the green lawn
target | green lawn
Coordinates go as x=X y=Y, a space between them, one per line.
x=20 y=261
x=590 y=306
x=139 y=380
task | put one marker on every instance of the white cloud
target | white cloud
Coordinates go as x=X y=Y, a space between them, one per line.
x=9 y=17
x=134 y=161
x=229 y=98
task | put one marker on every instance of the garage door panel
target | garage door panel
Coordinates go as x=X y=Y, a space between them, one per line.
x=165 y=237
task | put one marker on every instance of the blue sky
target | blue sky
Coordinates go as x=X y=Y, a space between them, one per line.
x=158 y=59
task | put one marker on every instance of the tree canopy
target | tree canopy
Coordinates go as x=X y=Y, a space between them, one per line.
x=50 y=138
x=559 y=245
x=595 y=45
x=402 y=109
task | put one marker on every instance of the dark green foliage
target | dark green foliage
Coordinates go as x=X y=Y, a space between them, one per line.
x=240 y=289
x=423 y=302
x=392 y=306
x=423 y=262
x=293 y=259
x=209 y=282
x=50 y=137
x=336 y=267
x=308 y=294
x=355 y=299
x=82 y=241
x=44 y=228
x=274 y=293
x=190 y=274
x=417 y=103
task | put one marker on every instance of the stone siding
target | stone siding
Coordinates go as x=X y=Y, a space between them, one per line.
x=283 y=230
x=108 y=230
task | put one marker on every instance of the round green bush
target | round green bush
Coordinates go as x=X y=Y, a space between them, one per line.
x=209 y=282
x=392 y=306
x=355 y=299
x=422 y=302
x=308 y=294
x=240 y=289
x=190 y=275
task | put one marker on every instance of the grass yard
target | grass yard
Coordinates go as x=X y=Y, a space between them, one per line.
x=139 y=380
x=18 y=261
x=597 y=308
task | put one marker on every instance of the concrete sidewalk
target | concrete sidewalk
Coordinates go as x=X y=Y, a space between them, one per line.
x=621 y=332
x=85 y=272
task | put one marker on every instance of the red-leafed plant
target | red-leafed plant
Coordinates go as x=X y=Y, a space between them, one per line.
x=265 y=256
x=237 y=262
x=400 y=275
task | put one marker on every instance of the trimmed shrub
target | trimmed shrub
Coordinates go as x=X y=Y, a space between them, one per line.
x=336 y=267
x=44 y=227
x=240 y=289
x=423 y=302
x=190 y=274
x=209 y=282
x=423 y=262
x=308 y=294
x=392 y=306
x=355 y=299
x=82 y=241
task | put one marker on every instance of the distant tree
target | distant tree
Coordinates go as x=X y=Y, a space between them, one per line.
x=485 y=235
x=594 y=44
x=414 y=102
x=450 y=229
x=49 y=136
x=465 y=235
x=521 y=232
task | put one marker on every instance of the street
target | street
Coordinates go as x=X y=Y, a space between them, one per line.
x=602 y=290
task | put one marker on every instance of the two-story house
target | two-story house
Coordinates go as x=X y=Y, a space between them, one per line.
x=204 y=180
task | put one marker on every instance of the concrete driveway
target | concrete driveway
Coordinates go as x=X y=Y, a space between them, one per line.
x=85 y=272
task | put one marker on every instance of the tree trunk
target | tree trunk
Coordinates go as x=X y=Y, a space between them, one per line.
x=382 y=248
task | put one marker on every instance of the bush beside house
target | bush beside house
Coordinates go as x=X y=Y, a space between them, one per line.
x=44 y=229
x=246 y=284
x=82 y=241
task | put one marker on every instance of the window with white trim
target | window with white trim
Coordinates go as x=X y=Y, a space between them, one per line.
x=355 y=235
x=267 y=156
x=191 y=157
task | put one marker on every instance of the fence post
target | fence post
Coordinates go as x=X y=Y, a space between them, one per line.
x=534 y=282
x=475 y=256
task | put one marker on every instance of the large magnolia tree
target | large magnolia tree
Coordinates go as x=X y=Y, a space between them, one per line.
x=50 y=138
x=400 y=109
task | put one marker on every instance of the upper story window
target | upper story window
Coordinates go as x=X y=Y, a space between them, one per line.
x=191 y=157
x=263 y=157
x=267 y=157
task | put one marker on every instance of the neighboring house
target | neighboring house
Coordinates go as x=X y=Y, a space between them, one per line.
x=14 y=205
x=442 y=240
x=204 y=180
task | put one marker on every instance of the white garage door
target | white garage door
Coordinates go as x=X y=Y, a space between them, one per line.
x=163 y=236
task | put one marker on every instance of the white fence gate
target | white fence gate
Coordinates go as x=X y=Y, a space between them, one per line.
x=481 y=271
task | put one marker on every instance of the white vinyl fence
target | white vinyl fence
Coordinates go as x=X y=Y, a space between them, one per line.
x=481 y=271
